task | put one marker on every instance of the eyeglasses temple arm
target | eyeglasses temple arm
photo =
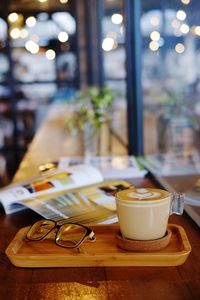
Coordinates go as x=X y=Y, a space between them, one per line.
x=92 y=236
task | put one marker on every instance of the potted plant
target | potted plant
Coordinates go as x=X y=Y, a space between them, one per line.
x=91 y=116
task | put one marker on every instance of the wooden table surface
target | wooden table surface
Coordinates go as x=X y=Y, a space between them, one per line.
x=182 y=282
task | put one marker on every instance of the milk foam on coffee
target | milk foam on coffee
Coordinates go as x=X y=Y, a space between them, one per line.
x=143 y=194
x=143 y=213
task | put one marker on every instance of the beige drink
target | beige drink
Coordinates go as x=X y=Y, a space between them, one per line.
x=143 y=213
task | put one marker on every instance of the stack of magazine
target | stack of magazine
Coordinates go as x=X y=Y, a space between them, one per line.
x=172 y=164
x=178 y=173
x=119 y=166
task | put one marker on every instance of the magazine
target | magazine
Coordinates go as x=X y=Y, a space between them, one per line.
x=119 y=166
x=176 y=173
x=48 y=183
x=78 y=194
x=172 y=164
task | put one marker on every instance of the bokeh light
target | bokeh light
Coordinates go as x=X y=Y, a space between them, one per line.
x=15 y=33
x=181 y=15
x=63 y=36
x=31 y=21
x=50 y=54
x=108 y=44
x=179 y=48
x=155 y=35
x=153 y=46
x=117 y=18
x=13 y=17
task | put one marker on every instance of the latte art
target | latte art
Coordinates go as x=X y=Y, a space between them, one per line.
x=142 y=194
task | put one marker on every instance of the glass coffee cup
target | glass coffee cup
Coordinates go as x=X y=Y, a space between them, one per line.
x=143 y=213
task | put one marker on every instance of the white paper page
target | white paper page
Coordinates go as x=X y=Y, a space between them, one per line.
x=71 y=177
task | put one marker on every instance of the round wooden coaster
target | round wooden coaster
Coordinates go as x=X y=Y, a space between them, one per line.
x=143 y=246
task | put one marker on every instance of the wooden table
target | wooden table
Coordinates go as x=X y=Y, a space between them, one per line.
x=182 y=282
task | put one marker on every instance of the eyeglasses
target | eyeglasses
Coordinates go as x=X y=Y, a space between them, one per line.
x=68 y=235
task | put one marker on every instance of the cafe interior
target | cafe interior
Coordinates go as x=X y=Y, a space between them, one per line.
x=140 y=61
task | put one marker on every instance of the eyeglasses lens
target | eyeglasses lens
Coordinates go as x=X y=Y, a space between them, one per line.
x=40 y=229
x=70 y=235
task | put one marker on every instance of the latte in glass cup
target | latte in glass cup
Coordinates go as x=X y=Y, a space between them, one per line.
x=144 y=212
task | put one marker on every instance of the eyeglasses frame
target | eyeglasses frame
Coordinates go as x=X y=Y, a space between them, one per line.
x=89 y=233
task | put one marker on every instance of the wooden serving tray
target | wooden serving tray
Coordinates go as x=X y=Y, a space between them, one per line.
x=102 y=252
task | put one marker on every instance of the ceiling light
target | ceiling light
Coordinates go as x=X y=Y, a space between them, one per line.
x=179 y=48
x=13 y=17
x=197 y=30
x=154 y=46
x=50 y=54
x=175 y=24
x=181 y=15
x=154 y=21
x=32 y=47
x=184 y=28
x=117 y=18
x=185 y=1
x=63 y=1
x=63 y=36
x=31 y=21
x=15 y=33
x=23 y=33
x=155 y=35
x=108 y=44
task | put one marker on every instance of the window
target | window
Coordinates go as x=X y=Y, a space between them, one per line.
x=38 y=55
x=114 y=62
x=171 y=75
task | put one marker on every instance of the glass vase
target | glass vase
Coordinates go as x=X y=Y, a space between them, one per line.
x=97 y=140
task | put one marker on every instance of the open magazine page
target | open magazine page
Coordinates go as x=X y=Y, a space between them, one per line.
x=177 y=174
x=119 y=166
x=92 y=204
x=172 y=164
x=50 y=182
x=192 y=196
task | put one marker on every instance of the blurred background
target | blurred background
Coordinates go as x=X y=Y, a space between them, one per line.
x=147 y=52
